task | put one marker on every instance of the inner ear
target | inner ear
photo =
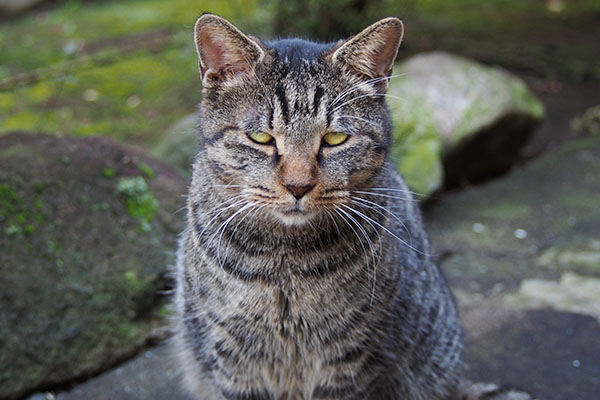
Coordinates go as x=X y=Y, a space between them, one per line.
x=372 y=52
x=224 y=52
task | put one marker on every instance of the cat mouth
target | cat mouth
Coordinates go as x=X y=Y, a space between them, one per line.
x=295 y=215
x=295 y=210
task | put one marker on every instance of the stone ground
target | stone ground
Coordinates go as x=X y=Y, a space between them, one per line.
x=523 y=258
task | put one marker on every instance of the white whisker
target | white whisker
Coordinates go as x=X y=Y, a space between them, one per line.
x=366 y=95
x=223 y=228
x=359 y=119
x=359 y=86
x=370 y=243
x=385 y=229
x=400 y=190
x=219 y=213
x=360 y=202
x=388 y=196
x=337 y=211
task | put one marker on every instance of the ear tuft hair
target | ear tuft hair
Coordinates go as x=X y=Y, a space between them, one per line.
x=224 y=52
x=372 y=52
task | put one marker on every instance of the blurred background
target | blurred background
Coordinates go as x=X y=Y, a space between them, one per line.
x=497 y=127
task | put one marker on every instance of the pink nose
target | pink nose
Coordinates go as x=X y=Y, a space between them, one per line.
x=299 y=191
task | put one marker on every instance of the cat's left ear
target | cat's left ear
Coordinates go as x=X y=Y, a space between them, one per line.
x=372 y=52
x=224 y=52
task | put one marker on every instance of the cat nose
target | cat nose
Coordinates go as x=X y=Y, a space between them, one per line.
x=298 y=175
x=299 y=191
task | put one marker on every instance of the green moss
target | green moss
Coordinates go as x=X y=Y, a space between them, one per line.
x=15 y=218
x=137 y=75
x=55 y=37
x=109 y=172
x=146 y=170
x=139 y=200
x=164 y=311
x=131 y=278
x=95 y=275
x=416 y=147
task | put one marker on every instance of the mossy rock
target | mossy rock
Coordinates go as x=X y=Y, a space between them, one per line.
x=457 y=121
x=179 y=145
x=539 y=222
x=87 y=231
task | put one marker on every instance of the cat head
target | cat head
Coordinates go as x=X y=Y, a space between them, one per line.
x=294 y=127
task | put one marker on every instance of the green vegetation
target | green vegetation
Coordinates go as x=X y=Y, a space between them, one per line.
x=139 y=200
x=534 y=36
x=15 y=218
x=331 y=20
x=109 y=172
x=126 y=70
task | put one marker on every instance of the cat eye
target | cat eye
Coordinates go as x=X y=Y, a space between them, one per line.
x=261 y=137
x=335 y=138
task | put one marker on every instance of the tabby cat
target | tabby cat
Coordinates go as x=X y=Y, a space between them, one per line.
x=304 y=271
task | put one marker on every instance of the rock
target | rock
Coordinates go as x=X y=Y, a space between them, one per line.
x=523 y=258
x=588 y=122
x=539 y=222
x=88 y=229
x=179 y=145
x=12 y=7
x=149 y=376
x=573 y=293
x=550 y=354
x=457 y=116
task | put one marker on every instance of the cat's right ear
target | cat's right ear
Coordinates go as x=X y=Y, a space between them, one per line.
x=224 y=52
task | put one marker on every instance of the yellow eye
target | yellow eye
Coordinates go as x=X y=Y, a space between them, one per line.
x=261 y=137
x=335 y=138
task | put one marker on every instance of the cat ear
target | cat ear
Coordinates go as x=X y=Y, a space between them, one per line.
x=372 y=52
x=224 y=52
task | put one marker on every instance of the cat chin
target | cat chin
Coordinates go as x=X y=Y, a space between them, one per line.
x=294 y=219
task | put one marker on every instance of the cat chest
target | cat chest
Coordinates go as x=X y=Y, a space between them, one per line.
x=279 y=339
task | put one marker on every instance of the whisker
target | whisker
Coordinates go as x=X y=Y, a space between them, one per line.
x=401 y=190
x=366 y=95
x=360 y=201
x=250 y=212
x=223 y=228
x=385 y=229
x=337 y=229
x=237 y=203
x=388 y=196
x=359 y=86
x=359 y=119
x=337 y=211
x=379 y=241
x=218 y=185
x=370 y=243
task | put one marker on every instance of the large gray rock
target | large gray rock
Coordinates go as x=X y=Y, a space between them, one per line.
x=87 y=230
x=522 y=255
x=179 y=145
x=457 y=121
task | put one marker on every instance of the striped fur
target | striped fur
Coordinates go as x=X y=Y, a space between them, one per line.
x=332 y=296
